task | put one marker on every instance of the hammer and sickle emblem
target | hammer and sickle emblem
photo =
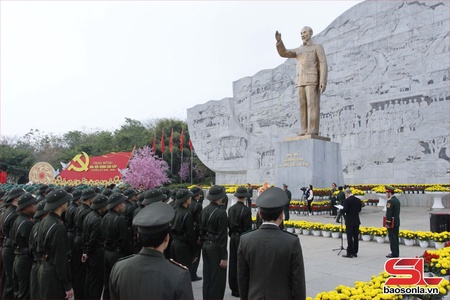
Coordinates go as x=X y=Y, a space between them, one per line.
x=83 y=166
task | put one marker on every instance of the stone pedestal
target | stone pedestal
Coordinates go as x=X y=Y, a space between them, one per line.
x=302 y=161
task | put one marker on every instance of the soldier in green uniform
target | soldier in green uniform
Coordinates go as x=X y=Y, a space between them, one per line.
x=54 y=274
x=70 y=225
x=239 y=222
x=8 y=218
x=392 y=216
x=196 y=208
x=118 y=242
x=183 y=244
x=270 y=260
x=148 y=275
x=20 y=235
x=80 y=269
x=93 y=248
x=39 y=215
x=213 y=232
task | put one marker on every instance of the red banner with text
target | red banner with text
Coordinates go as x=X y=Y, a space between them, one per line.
x=94 y=170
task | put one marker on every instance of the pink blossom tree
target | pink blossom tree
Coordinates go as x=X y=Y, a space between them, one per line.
x=184 y=171
x=145 y=169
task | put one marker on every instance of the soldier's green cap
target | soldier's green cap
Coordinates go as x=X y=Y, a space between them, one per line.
x=196 y=191
x=241 y=192
x=115 y=199
x=56 y=198
x=152 y=196
x=183 y=195
x=154 y=218
x=215 y=193
x=14 y=193
x=88 y=194
x=389 y=188
x=129 y=193
x=76 y=194
x=40 y=209
x=25 y=200
x=99 y=201
x=272 y=200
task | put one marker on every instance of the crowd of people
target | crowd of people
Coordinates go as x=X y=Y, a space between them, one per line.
x=108 y=243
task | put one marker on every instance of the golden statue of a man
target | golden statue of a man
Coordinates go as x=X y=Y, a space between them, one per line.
x=312 y=73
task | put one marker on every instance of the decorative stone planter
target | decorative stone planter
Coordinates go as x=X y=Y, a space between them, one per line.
x=336 y=234
x=290 y=229
x=316 y=232
x=306 y=231
x=326 y=233
x=423 y=244
x=409 y=242
x=298 y=230
x=382 y=200
x=437 y=199
x=438 y=245
x=380 y=239
x=366 y=237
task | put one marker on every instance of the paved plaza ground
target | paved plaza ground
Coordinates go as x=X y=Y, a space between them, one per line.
x=325 y=270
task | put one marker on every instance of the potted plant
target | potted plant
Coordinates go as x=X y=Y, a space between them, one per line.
x=424 y=238
x=366 y=233
x=409 y=237
x=380 y=234
x=316 y=228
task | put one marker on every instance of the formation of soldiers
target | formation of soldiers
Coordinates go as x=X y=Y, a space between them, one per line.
x=64 y=242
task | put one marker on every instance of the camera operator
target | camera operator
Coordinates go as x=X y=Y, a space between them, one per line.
x=309 y=195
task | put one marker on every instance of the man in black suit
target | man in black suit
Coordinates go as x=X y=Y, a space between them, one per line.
x=270 y=260
x=351 y=210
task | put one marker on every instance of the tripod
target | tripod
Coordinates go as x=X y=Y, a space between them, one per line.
x=342 y=238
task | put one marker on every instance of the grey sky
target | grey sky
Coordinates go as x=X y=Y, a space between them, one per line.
x=86 y=65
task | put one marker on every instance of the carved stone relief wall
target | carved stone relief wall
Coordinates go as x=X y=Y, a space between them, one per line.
x=387 y=101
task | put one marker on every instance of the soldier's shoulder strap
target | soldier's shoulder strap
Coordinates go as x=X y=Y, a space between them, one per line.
x=125 y=257
x=178 y=264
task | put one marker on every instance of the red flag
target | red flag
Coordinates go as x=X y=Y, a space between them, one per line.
x=171 y=141
x=181 y=139
x=154 y=144
x=190 y=145
x=162 y=142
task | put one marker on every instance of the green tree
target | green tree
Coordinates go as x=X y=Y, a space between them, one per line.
x=16 y=160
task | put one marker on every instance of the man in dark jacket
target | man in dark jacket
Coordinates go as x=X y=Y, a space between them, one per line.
x=183 y=244
x=213 y=231
x=93 y=248
x=351 y=210
x=54 y=275
x=148 y=275
x=239 y=222
x=20 y=235
x=270 y=260
x=118 y=242
x=8 y=218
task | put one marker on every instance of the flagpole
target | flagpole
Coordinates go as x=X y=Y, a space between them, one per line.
x=192 y=158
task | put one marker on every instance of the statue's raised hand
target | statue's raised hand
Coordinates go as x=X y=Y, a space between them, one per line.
x=278 y=36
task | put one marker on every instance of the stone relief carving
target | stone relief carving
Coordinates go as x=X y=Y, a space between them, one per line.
x=387 y=101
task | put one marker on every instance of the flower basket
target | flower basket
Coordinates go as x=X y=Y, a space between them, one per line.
x=424 y=244
x=326 y=233
x=366 y=237
x=335 y=234
x=409 y=242
x=379 y=239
